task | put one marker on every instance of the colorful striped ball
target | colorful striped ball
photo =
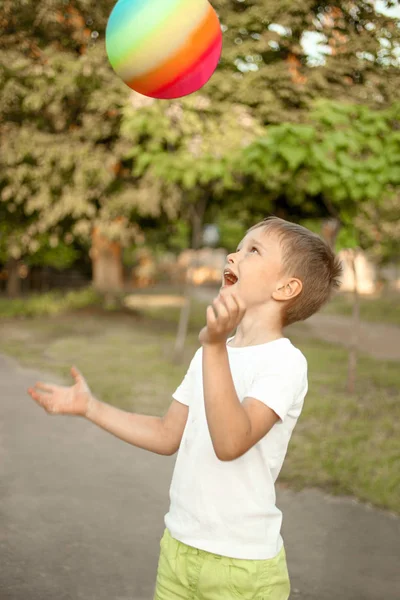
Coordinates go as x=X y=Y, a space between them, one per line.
x=164 y=48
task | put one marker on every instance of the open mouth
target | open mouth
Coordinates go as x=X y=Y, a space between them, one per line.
x=230 y=278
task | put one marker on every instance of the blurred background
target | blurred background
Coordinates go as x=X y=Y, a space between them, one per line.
x=117 y=211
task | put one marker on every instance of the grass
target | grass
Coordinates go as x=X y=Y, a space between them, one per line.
x=375 y=309
x=344 y=444
x=348 y=444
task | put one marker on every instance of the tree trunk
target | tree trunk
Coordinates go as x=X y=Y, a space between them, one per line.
x=183 y=324
x=107 y=264
x=330 y=230
x=13 y=280
x=196 y=216
x=353 y=353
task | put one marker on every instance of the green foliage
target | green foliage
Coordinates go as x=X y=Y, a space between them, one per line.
x=231 y=231
x=314 y=225
x=348 y=237
x=78 y=149
x=265 y=66
x=348 y=156
x=56 y=167
x=59 y=150
x=188 y=143
x=179 y=239
x=60 y=256
x=183 y=153
x=332 y=155
x=48 y=304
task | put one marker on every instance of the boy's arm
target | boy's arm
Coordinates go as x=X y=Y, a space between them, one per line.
x=234 y=427
x=161 y=435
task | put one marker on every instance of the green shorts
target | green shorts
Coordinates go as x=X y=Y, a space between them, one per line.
x=186 y=573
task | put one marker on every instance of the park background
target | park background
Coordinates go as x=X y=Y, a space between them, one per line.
x=117 y=211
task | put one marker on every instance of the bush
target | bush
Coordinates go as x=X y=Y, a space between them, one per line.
x=48 y=304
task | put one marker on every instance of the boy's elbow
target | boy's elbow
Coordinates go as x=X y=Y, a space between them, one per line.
x=224 y=458
x=172 y=450
x=226 y=455
x=230 y=451
x=220 y=453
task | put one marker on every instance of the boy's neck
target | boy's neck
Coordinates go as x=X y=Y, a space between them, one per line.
x=239 y=342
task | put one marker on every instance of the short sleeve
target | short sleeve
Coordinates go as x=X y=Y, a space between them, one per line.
x=280 y=391
x=185 y=391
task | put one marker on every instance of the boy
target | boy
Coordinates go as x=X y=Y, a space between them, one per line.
x=231 y=419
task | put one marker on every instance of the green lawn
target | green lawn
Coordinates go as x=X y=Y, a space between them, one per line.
x=344 y=444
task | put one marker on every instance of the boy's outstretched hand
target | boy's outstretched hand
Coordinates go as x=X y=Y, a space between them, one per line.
x=63 y=400
x=230 y=311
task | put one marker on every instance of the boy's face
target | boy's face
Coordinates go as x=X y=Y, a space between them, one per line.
x=258 y=264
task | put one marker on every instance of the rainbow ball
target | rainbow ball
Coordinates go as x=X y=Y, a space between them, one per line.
x=164 y=48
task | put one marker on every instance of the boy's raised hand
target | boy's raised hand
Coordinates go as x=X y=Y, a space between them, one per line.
x=63 y=400
x=230 y=311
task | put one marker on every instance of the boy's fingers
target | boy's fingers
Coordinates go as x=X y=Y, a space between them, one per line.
x=210 y=313
x=241 y=306
x=44 y=386
x=232 y=305
x=38 y=398
x=229 y=299
x=221 y=306
x=75 y=373
x=43 y=401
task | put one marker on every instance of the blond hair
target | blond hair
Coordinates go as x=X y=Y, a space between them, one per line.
x=306 y=256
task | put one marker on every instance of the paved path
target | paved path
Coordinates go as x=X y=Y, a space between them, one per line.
x=81 y=516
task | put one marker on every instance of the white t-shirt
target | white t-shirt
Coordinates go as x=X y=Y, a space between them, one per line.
x=228 y=507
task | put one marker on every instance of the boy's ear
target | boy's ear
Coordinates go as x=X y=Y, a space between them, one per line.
x=287 y=290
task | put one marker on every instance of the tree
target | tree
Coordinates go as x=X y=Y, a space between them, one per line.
x=343 y=156
x=60 y=172
x=374 y=229
x=265 y=65
x=347 y=159
x=65 y=164
x=65 y=167
x=189 y=144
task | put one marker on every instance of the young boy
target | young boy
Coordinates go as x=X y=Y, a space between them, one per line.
x=231 y=419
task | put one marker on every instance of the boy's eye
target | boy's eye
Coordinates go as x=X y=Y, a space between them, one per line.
x=252 y=248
